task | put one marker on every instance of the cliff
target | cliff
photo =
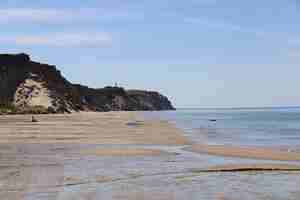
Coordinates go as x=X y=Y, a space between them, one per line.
x=31 y=87
x=115 y=98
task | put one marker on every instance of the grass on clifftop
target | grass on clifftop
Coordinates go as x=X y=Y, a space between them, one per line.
x=7 y=109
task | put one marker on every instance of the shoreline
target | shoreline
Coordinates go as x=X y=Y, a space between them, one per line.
x=119 y=128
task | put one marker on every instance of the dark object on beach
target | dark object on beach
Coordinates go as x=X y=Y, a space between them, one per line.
x=137 y=123
x=33 y=119
x=212 y=120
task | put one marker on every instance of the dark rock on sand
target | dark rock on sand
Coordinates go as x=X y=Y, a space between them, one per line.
x=33 y=119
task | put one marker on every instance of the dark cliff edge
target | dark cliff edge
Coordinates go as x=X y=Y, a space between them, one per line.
x=32 y=87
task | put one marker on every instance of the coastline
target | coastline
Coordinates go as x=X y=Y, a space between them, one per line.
x=119 y=128
x=104 y=152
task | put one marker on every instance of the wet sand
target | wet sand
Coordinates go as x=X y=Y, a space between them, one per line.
x=245 y=152
x=123 y=152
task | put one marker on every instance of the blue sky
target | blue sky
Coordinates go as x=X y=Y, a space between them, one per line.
x=200 y=53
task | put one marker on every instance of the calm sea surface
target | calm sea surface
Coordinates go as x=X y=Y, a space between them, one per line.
x=244 y=126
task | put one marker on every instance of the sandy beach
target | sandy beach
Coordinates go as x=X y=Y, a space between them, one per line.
x=88 y=128
x=118 y=128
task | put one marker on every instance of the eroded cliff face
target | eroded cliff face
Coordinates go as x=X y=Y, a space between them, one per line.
x=12 y=73
x=150 y=100
x=115 y=99
x=27 y=84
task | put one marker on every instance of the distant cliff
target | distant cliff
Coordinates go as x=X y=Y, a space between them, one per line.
x=31 y=87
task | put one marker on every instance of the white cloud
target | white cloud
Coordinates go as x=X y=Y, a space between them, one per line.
x=287 y=44
x=223 y=26
x=62 y=16
x=89 y=40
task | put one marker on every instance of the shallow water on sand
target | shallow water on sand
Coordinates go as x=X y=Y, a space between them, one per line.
x=37 y=172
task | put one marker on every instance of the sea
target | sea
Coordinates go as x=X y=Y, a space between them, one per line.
x=271 y=126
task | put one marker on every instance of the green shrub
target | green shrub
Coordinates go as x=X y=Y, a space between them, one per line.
x=7 y=108
x=11 y=109
x=33 y=110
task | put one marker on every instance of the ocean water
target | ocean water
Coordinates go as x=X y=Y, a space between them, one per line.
x=279 y=127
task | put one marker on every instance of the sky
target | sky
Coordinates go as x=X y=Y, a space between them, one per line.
x=199 y=53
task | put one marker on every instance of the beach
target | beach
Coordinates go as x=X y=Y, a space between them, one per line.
x=125 y=155
x=88 y=128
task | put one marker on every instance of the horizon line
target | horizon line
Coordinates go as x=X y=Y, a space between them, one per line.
x=236 y=108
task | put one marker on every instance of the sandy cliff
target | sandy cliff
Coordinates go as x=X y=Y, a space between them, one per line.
x=34 y=87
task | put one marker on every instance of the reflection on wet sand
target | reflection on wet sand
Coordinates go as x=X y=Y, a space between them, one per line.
x=123 y=152
x=29 y=172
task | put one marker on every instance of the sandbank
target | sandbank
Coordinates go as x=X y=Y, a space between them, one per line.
x=245 y=152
